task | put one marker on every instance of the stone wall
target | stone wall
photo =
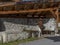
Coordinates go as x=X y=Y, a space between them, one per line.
x=50 y=25
x=13 y=27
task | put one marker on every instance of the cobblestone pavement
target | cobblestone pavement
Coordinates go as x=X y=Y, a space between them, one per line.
x=45 y=41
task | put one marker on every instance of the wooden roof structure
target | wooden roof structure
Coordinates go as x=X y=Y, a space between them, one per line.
x=29 y=7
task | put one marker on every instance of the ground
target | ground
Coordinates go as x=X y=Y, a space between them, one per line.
x=45 y=41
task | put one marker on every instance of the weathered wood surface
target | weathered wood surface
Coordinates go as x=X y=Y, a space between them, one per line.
x=10 y=8
x=26 y=11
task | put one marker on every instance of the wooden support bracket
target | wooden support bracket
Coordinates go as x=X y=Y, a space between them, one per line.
x=53 y=13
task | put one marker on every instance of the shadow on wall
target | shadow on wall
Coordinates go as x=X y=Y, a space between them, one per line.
x=26 y=21
x=2 y=27
x=55 y=38
x=45 y=20
x=23 y=21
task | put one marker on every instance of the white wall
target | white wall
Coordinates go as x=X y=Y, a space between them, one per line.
x=50 y=25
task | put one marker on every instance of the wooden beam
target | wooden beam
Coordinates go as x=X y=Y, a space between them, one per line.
x=26 y=11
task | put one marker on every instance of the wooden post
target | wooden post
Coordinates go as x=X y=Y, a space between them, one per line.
x=56 y=15
x=57 y=19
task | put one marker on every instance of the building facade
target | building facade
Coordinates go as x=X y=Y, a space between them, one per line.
x=14 y=20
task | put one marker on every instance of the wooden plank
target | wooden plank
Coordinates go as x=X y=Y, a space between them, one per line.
x=26 y=11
